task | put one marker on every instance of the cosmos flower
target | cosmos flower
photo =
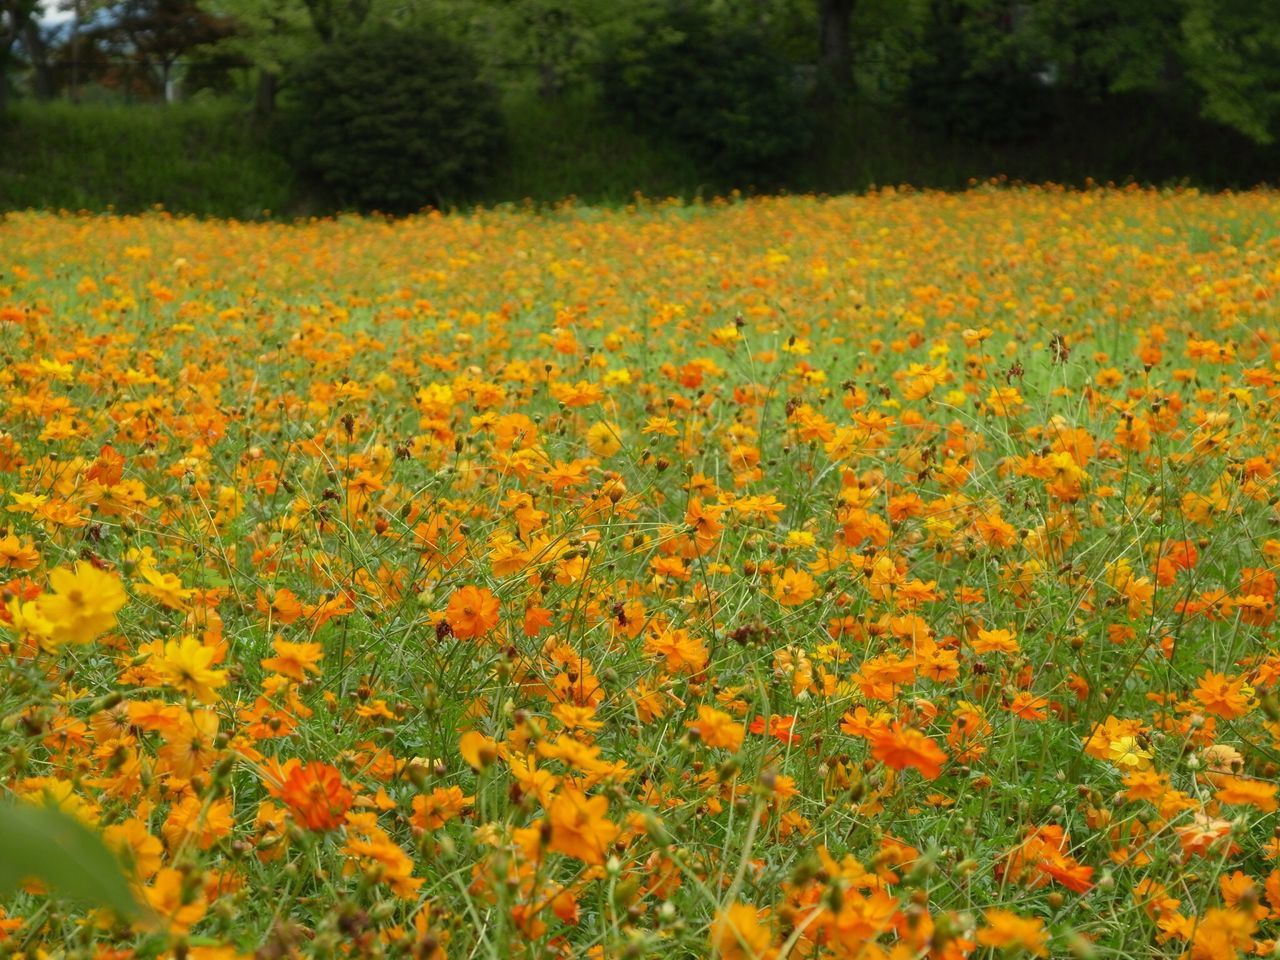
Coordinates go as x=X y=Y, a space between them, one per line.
x=81 y=604
x=316 y=795
x=472 y=612
x=579 y=827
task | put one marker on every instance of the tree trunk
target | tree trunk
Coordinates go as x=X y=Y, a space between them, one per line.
x=75 y=52
x=548 y=81
x=265 y=104
x=835 y=60
x=34 y=44
x=6 y=54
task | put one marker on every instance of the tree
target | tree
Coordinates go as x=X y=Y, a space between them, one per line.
x=982 y=73
x=554 y=37
x=835 y=62
x=36 y=47
x=155 y=34
x=1232 y=50
x=718 y=89
x=337 y=19
x=16 y=16
x=1222 y=56
x=269 y=35
x=1103 y=47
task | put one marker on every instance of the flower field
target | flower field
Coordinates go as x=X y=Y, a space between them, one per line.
x=885 y=576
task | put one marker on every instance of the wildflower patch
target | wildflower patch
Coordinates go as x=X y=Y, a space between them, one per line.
x=889 y=576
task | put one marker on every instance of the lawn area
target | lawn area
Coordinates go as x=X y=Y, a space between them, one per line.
x=879 y=576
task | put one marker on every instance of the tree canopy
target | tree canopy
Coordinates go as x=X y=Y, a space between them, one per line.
x=989 y=68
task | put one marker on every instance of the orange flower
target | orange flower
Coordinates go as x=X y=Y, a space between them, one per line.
x=1005 y=929
x=995 y=641
x=578 y=826
x=433 y=810
x=793 y=587
x=315 y=794
x=717 y=729
x=1042 y=857
x=472 y=612
x=1224 y=696
x=478 y=750
x=1241 y=790
x=294 y=660
x=1028 y=706
x=177 y=898
x=738 y=934
x=900 y=747
x=1203 y=834
x=1222 y=934
x=861 y=918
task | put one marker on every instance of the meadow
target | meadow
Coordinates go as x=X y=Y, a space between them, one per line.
x=887 y=576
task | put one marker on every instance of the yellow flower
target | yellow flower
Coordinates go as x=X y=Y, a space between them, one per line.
x=604 y=439
x=1127 y=753
x=26 y=622
x=184 y=665
x=164 y=588
x=27 y=502
x=82 y=603
x=177 y=898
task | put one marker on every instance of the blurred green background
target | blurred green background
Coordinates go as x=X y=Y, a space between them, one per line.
x=252 y=108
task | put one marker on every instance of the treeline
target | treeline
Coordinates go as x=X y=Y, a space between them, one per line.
x=393 y=104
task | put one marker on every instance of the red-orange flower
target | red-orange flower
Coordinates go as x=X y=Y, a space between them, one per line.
x=316 y=795
x=900 y=747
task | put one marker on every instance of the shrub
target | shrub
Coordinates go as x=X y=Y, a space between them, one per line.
x=720 y=91
x=393 y=121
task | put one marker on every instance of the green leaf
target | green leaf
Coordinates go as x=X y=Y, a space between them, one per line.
x=47 y=844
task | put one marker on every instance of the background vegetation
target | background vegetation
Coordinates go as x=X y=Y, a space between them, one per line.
x=129 y=104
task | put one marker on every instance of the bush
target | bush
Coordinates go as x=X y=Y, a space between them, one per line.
x=719 y=91
x=201 y=158
x=393 y=121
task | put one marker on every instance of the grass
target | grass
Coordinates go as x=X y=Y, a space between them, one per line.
x=889 y=575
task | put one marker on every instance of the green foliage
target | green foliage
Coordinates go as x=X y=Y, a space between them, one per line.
x=270 y=34
x=887 y=37
x=719 y=90
x=193 y=158
x=1102 y=47
x=393 y=121
x=46 y=844
x=554 y=41
x=338 y=19
x=1233 y=54
x=978 y=79
x=572 y=147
